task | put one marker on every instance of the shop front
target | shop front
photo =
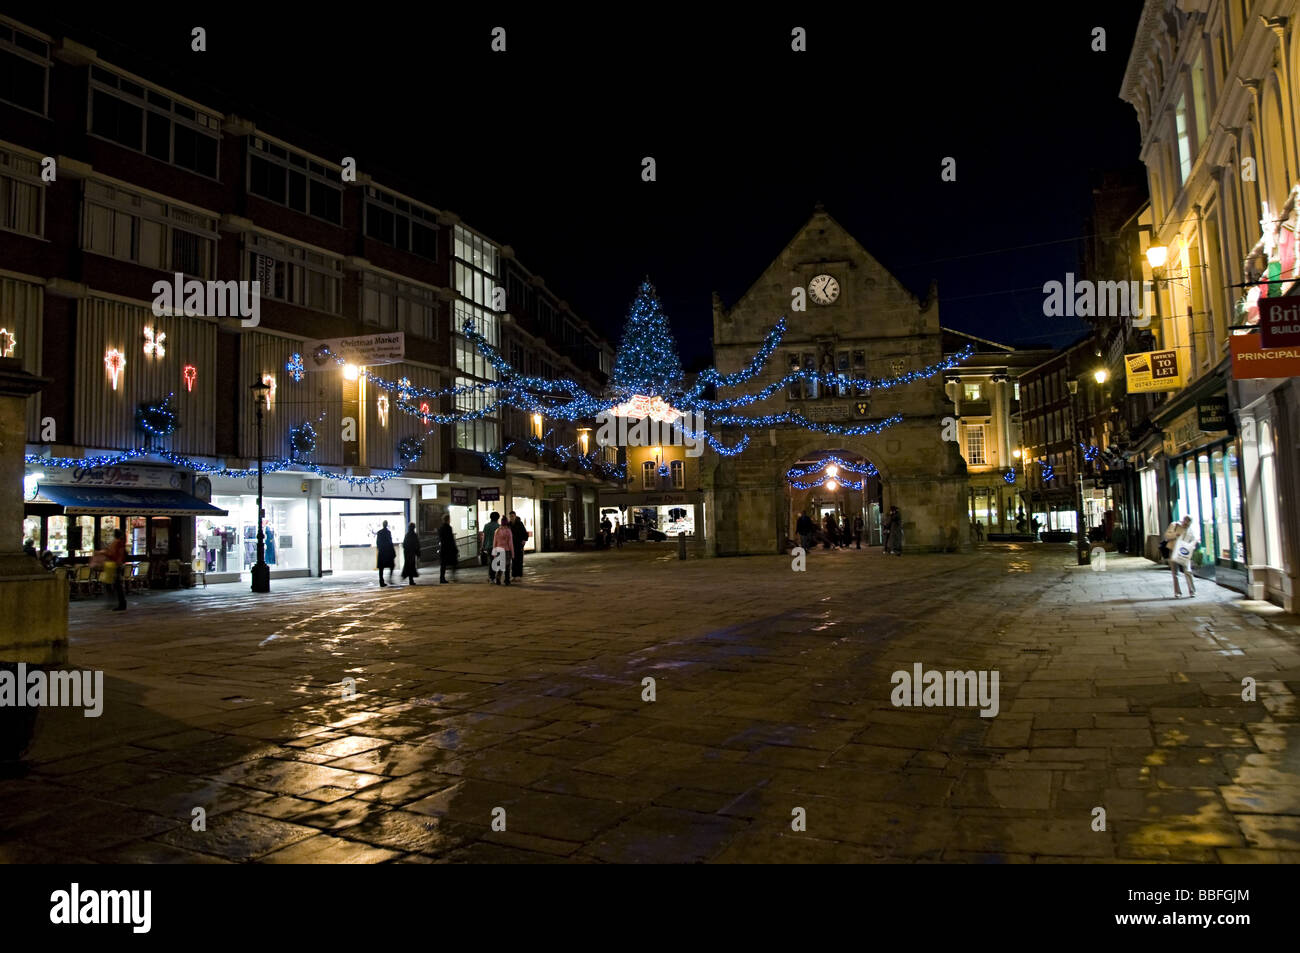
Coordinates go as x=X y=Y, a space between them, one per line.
x=670 y=513
x=72 y=513
x=227 y=545
x=1202 y=476
x=352 y=514
x=525 y=500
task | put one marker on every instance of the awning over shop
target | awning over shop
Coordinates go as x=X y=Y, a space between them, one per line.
x=111 y=501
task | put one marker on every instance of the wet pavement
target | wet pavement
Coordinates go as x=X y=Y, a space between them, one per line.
x=511 y=725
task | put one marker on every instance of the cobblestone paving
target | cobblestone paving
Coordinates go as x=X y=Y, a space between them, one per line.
x=772 y=693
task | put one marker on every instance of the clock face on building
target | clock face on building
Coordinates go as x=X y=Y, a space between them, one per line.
x=824 y=289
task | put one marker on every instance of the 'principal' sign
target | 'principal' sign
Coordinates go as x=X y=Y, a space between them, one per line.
x=1250 y=359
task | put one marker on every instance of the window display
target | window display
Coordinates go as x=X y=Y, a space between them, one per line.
x=675 y=520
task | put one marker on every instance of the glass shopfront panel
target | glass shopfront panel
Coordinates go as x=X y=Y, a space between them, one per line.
x=349 y=527
x=285 y=539
x=526 y=507
x=1205 y=487
x=678 y=519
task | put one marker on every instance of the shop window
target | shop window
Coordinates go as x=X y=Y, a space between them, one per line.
x=1268 y=495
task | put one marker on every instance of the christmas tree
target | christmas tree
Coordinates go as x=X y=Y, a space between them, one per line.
x=647 y=361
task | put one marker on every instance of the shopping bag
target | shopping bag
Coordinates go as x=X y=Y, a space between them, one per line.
x=109 y=573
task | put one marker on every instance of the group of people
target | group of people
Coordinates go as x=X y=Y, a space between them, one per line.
x=387 y=556
x=611 y=532
x=504 y=538
x=833 y=534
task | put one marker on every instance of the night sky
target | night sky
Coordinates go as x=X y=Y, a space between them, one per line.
x=541 y=147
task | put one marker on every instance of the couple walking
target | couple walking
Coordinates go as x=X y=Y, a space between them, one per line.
x=387 y=557
x=508 y=537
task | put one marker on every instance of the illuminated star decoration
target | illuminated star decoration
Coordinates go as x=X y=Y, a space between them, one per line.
x=382 y=406
x=294 y=367
x=7 y=342
x=153 y=343
x=114 y=361
x=189 y=373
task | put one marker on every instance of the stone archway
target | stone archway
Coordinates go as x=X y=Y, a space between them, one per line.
x=831 y=486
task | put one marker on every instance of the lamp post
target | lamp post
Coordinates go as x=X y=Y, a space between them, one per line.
x=261 y=571
x=1081 y=540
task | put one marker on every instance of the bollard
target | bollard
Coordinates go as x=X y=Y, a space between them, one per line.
x=681 y=545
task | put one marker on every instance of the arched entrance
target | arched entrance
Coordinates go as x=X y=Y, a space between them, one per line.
x=835 y=482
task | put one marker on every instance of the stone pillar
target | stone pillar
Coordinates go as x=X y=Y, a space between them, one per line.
x=33 y=602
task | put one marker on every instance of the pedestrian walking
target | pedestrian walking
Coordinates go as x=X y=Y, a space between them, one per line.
x=447 y=554
x=619 y=534
x=895 y=544
x=606 y=528
x=410 y=555
x=387 y=558
x=804 y=529
x=519 y=534
x=1181 y=539
x=828 y=531
x=485 y=550
x=117 y=559
x=503 y=540
x=858 y=525
x=979 y=530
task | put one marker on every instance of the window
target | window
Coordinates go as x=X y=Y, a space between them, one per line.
x=1268 y=494
x=1199 y=102
x=971 y=392
x=648 y=475
x=474 y=284
x=152 y=123
x=1015 y=391
x=401 y=223
x=292 y=179
x=860 y=372
x=842 y=372
x=134 y=227
x=24 y=69
x=476 y=250
x=975 y=445
x=295 y=274
x=22 y=194
x=678 y=469
x=1184 y=145
x=395 y=305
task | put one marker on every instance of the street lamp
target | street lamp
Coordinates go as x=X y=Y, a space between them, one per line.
x=261 y=571
x=1081 y=540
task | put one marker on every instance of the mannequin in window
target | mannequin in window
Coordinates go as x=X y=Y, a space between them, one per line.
x=270 y=546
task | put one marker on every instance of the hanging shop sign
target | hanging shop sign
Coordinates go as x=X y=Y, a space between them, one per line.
x=459 y=497
x=368 y=350
x=1251 y=360
x=1279 y=322
x=1181 y=432
x=1153 y=371
x=1212 y=414
x=489 y=494
x=554 y=491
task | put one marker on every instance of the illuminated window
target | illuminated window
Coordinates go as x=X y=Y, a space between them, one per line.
x=975 y=445
x=971 y=392
x=1184 y=143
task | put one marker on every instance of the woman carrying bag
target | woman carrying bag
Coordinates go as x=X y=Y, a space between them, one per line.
x=1181 y=541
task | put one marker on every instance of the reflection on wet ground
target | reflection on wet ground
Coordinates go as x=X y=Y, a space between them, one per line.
x=338 y=722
